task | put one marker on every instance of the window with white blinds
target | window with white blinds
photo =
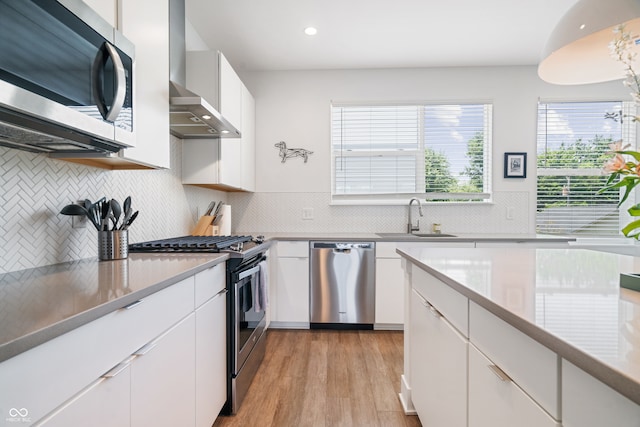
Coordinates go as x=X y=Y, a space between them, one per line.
x=438 y=152
x=573 y=139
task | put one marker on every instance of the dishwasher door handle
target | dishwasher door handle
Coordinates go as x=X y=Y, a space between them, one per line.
x=342 y=251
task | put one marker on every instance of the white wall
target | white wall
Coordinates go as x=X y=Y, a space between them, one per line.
x=294 y=106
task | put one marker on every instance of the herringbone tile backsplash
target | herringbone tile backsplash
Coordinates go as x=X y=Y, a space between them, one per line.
x=35 y=188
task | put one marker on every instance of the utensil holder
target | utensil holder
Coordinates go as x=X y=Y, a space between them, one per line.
x=113 y=244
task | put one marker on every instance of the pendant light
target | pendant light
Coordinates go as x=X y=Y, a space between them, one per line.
x=578 y=50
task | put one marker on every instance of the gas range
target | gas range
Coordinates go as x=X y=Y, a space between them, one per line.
x=246 y=341
x=235 y=246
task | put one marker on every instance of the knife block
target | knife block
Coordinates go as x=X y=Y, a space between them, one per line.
x=204 y=227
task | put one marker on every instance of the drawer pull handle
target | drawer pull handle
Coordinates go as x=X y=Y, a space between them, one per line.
x=145 y=349
x=435 y=311
x=219 y=294
x=113 y=372
x=133 y=304
x=499 y=373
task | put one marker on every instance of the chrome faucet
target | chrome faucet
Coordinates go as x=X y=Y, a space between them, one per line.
x=410 y=227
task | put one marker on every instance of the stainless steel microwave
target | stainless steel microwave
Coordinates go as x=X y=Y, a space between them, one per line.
x=66 y=79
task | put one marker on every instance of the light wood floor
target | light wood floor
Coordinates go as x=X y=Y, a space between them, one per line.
x=323 y=378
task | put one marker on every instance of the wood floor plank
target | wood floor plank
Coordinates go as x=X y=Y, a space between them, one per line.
x=337 y=368
x=385 y=384
x=322 y=378
x=339 y=412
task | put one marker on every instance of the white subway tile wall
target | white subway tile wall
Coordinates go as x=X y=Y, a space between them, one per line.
x=35 y=188
x=282 y=212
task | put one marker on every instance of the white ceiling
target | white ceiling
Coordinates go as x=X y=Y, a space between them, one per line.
x=268 y=34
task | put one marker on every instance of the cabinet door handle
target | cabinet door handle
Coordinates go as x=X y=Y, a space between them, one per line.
x=499 y=373
x=113 y=372
x=219 y=294
x=145 y=349
x=435 y=311
x=133 y=304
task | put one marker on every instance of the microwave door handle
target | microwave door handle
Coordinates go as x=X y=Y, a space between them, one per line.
x=109 y=114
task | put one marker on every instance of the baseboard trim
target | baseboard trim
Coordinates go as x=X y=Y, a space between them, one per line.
x=405 y=397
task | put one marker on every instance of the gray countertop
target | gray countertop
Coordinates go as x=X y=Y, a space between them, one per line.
x=567 y=299
x=404 y=237
x=39 y=304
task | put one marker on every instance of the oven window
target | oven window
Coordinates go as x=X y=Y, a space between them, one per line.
x=248 y=319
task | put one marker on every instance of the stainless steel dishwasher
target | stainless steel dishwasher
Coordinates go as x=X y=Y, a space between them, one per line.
x=342 y=280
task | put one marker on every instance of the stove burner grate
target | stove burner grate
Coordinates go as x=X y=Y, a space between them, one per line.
x=189 y=244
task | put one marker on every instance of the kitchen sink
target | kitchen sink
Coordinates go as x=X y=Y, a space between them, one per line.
x=415 y=235
x=432 y=235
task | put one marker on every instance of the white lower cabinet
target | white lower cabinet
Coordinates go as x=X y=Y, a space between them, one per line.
x=163 y=379
x=160 y=361
x=211 y=359
x=153 y=387
x=390 y=278
x=496 y=401
x=105 y=403
x=290 y=290
x=438 y=367
x=587 y=402
x=389 y=293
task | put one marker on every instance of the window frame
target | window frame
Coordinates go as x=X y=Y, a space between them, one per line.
x=628 y=134
x=400 y=198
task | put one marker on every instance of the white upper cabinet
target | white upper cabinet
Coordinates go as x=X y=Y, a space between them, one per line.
x=146 y=24
x=210 y=75
x=230 y=93
x=248 y=140
x=223 y=163
x=107 y=9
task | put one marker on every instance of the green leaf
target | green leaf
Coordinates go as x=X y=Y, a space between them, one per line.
x=634 y=154
x=634 y=210
x=629 y=228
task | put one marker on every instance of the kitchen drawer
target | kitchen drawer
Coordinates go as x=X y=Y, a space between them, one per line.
x=496 y=401
x=450 y=303
x=208 y=283
x=534 y=367
x=293 y=249
x=587 y=402
x=387 y=250
x=44 y=377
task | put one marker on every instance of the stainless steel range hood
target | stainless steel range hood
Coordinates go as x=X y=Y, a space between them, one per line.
x=191 y=116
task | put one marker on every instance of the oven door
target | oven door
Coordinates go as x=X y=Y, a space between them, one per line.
x=249 y=324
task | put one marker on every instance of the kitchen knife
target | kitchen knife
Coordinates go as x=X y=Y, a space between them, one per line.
x=210 y=208
x=217 y=211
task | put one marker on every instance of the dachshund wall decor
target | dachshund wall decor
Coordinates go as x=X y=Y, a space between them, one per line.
x=287 y=153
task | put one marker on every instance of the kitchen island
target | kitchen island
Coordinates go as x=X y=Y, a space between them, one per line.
x=552 y=323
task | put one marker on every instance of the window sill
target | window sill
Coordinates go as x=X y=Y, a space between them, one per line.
x=361 y=202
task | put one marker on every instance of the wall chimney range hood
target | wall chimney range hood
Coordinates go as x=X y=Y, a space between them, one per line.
x=191 y=116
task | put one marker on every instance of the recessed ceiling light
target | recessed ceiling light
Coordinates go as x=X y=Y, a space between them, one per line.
x=206 y=117
x=311 y=31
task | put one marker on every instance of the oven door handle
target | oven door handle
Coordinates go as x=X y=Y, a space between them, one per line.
x=248 y=272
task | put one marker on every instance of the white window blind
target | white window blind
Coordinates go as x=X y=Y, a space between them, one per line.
x=573 y=138
x=441 y=152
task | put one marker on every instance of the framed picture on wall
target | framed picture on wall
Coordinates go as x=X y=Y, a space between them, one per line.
x=515 y=165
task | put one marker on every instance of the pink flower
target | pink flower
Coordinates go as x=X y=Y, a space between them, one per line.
x=616 y=164
x=617 y=146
